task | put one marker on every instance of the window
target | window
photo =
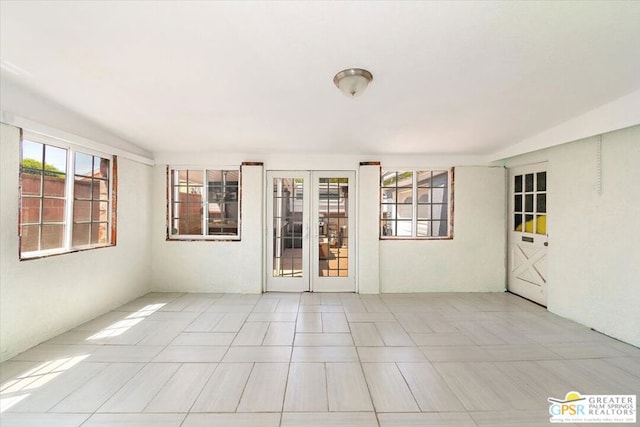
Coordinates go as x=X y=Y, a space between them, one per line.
x=204 y=204
x=62 y=212
x=416 y=204
x=526 y=194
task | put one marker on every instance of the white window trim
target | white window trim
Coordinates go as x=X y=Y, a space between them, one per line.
x=56 y=137
x=205 y=201
x=414 y=204
x=71 y=149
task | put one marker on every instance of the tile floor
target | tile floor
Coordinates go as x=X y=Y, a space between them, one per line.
x=314 y=360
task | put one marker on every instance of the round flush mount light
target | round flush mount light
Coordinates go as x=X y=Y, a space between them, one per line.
x=353 y=81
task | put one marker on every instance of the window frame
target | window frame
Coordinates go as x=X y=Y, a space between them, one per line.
x=205 y=211
x=69 y=197
x=415 y=202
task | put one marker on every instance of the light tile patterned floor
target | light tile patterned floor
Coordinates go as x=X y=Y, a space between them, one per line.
x=314 y=360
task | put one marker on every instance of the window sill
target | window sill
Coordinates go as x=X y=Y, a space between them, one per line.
x=203 y=239
x=391 y=239
x=47 y=254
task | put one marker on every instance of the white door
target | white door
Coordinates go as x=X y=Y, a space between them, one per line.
x=528 y=238
x=311 y=231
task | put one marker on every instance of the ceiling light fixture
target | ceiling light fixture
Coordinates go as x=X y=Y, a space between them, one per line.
x=353 y=81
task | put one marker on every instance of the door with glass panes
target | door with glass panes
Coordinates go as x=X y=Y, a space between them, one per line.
x=528 y=238
x=310 y=231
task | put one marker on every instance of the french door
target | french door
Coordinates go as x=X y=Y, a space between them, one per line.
x=528 y=238
x=310 y=231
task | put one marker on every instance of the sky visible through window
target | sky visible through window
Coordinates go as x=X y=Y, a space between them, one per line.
x=54 y=156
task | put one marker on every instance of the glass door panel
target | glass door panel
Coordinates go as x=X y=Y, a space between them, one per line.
x=288 y=232
x=333 y=231
x=332 y=250
x=288 y=198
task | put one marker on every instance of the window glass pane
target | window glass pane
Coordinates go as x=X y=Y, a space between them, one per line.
x=194 y=226
x=541 y=181
x=52 y=236
x=218 y=228
x=54 y=185
x=424 y=178
x=424 y=195
x=195 y=177
x=30 y=238
x=424 y=211
x=528 y=182
x=528 y=202
x=99 y=233
x=81 y=211
x=175 y=226
x=31 y=182
x=528 y=225
x=386 y=228
x=541 y=203
x=180 y=194
x=32 y=151
x=189 y=209
x=518 y=183
x=30 y=212
x=233 y=177
x=403 y=228
x=541 y=224
x=55 y=160
x=81 y=234
x=439 y=211
x=214 y=176
x=100 y=211
x=100 y=167
x=389 y=195
x=176 y=210
x=53 y=210
x=82 y=188
x=404 y=211
x=397 y=179
x=439 y=228
x=439 y=195
x=84 y=164
x=100 y=189
x=216 y=192
x=436 y=179
x=424 y=229
x=517 y=222
x=517 y=203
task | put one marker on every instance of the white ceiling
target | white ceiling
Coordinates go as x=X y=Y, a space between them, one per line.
x=256 y=77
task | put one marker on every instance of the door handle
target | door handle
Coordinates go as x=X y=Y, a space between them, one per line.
x=546 y=243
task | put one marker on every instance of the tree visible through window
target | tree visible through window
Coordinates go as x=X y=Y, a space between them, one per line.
x=415 y=204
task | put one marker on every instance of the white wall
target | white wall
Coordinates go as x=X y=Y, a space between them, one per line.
x=617 y=114
x=21 y=103
x=210 y=266
x=594 y=255
x=368 y=229
x=42 y=298
x=473 y=261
